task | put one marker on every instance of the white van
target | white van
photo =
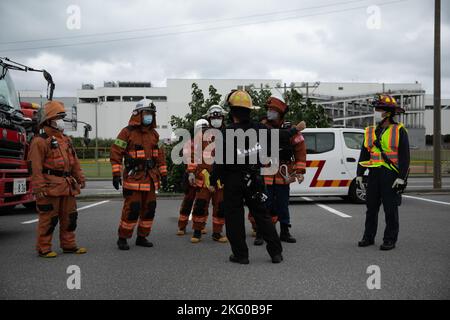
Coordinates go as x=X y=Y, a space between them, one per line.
x=332 y=159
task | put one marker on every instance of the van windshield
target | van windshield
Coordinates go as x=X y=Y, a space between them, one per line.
x=8 y=94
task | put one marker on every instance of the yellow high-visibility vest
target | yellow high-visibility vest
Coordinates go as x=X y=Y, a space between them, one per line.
x=389 y=142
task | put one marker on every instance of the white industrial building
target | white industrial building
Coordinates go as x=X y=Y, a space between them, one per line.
x=348 y=103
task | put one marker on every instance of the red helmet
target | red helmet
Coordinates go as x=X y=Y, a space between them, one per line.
x=387 y=103
x=277 y=104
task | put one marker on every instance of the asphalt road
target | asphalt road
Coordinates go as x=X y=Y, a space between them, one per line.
x=104 y=187
x=324 y=264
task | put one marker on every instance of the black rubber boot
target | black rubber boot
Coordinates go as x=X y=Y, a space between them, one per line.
x=122 y=244
x=143 y=242
x=239 y=260
x=365 y=243
x=259 y=241
x=277 y=258
x=285 y=236
x=387 y=245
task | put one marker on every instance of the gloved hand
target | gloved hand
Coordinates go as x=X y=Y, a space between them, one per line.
x=211 y=189
x=191 y=179
x=398 y=183
x=164 y=182
x=82 y=185
x=300 y=178
x=360 y=184
x=301 y=126
x=117 y=182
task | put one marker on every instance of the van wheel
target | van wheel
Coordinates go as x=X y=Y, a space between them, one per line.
x=356 y=194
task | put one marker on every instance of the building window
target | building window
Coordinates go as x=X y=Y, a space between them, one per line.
x=340 y=88
x=157 y=98
x=164 y=126
x=113 y=98
x=132 y=98
x=87 y=100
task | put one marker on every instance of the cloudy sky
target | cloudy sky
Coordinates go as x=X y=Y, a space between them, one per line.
x=292 y=40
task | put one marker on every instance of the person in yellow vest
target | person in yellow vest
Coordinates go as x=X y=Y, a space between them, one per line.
x=386 y=153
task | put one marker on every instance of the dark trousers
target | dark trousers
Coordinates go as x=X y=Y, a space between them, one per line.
x=379 y=190
x=235 y=197
x=278 y=202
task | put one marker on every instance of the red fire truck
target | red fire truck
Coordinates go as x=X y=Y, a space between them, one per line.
x=16 y=129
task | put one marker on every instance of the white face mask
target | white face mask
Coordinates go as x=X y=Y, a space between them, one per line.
x=272 y=115
x=216 y=123
x=59 y=123
x=378 y=117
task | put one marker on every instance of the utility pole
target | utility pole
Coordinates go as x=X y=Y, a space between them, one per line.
x=96 y=139
x=437 y=177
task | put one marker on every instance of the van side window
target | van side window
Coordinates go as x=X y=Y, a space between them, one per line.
x=353 y=140
x=319 y=142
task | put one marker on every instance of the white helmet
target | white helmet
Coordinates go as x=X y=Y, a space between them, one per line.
x=144 y=104
x=215 y=111
x=201 y=123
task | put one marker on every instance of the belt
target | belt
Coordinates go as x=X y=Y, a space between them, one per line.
x=58 y=173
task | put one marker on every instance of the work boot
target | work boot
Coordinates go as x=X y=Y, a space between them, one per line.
x=365 y=242
x=122 y=244
x=197 y=236
x=76 y=250
x=259 y=241
x=143 y=242
x=48 y=254
x=277 y=258
x=181 y=232
x=285 y=236
x=387 y=245
x=235 y=259
x=219 y=238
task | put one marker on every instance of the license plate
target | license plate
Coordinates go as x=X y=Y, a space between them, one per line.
x=20 y=186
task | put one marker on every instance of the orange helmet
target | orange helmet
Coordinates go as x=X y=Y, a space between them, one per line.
x=387 y=103
x=277 y=104
x=52 y=109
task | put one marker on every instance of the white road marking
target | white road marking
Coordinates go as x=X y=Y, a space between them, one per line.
x=336 y=212
x=428 y=200
x=79 y=209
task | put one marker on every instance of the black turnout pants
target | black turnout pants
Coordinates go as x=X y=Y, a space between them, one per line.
x=379 y=191
x=235 y=197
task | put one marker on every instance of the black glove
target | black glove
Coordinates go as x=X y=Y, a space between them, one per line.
x=117 y=182
x=164 y=182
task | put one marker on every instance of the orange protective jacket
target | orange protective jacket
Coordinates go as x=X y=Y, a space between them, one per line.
x=128 y=144
x=206 y=161
x=296 y=166
x=63 y=158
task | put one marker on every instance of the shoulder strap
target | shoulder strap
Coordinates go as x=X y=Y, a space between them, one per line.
x=377 y=143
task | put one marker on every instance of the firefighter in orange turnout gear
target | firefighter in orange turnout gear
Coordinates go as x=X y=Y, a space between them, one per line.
x=143 y=170
x=203 y=195
x=189 y=188
x=56 y=179
x=292 y=166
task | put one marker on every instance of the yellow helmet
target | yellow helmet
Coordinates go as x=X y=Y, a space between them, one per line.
x=52 y=109
x=239 y=98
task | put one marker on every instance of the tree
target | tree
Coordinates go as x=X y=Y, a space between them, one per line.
x=259 y=99
x=299 y=109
